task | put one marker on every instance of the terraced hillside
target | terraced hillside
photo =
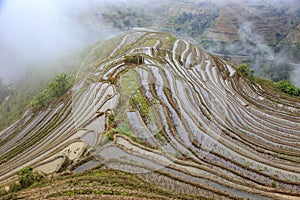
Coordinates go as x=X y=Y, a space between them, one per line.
x=264 y=34
x=157 y=106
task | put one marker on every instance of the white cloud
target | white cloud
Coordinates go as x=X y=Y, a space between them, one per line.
x=40 y=32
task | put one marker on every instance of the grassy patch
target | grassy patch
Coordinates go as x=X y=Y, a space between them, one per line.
x=288 y=87
x=89 y=192
x=26 y=179
x=160 y=136
x=245 y=71
x=172 y=39
x=96 y=182
x=273 y=86
x=111 y=118
x=56 y=88
x=140 y=103
x=149 y=43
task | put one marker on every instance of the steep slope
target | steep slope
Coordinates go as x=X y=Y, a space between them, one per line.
x=157 y=106
x=271 y=20
x=96 y=184
x=263 y=33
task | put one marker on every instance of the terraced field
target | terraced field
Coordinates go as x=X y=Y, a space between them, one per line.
x=157 y=106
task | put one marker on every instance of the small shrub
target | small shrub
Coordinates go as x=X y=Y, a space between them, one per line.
x=109 y=135
x=111 y=118
x=274 y=184
x=172 y=38
x=131 y=59
x=287 y=87
x=55 y=88
x=244 y=70
x=26 y=177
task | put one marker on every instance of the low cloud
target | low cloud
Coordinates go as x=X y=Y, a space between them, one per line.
x=41 y=34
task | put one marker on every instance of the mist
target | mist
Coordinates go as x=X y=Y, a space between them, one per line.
x=44 y=34
x=279 y=64
x=253 y=47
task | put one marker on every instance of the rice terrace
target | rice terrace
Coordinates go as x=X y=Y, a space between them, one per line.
x=152 y=116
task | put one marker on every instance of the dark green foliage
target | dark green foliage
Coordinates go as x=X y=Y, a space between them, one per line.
x=244 y=70
x=111 y=118
x=55 y=88
x=274 y=184
x=160 y=136
x=183 y=17
x=60 y=85
x=26 y=177
x=193 y=24
x=127 y=23
x=286 y=87
x=131 y=59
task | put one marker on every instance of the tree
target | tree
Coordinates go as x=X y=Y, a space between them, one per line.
x=245 y=71
x=26 y=177
x=60 y=84
x=55 y=88
x=127 y=22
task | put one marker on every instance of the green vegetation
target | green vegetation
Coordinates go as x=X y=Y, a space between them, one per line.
x=139 y=101
x=193 y=24
x=131 y=59
x=287 y=87
x=260 y=169
x=111 y=118
x=124 y=129
x=247 y=165
x=283 y=85
x=149 y=43
x=161 y=137
x=55 y=88
x=18 y=97
x=134 y=59
x=94 y=182
x=274 y=185
x=172 y=39
x=109 y=135
x=130 y=96
x=244 y=70
x=126 y=132
x=26 y=179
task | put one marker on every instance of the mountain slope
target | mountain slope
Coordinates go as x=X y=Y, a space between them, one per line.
x=157 y=106
x=96 y=184
x=264 y=34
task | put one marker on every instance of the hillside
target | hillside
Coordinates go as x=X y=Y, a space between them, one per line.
x=168 y=112
x=96 y=184
x=264 y=34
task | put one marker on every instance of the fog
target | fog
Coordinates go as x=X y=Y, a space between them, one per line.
x=280 y=64
x=43 y=34
x=251 y=44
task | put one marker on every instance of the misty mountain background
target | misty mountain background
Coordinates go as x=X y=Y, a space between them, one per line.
x=50 y=35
